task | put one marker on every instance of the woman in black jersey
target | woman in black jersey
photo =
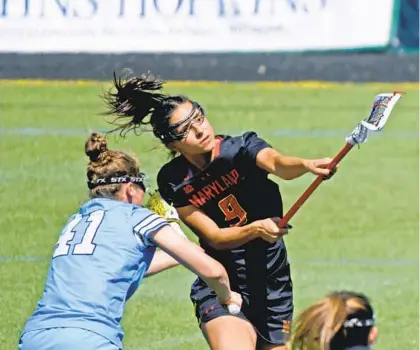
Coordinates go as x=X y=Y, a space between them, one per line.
x=220 y=188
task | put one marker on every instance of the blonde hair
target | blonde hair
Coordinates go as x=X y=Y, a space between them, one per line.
x=322 y=325
x=107 y=163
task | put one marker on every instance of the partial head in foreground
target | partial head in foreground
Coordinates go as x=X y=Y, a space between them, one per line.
x=177 y=121
x=340 y=321
x=113 y=174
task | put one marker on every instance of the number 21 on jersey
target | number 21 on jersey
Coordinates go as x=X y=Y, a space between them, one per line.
x=233 y=210
x=86 y=245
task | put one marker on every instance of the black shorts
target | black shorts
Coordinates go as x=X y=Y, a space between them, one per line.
x=271 y=317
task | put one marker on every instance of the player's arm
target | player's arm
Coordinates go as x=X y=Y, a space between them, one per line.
x=204 y=227
x=289 y=168
x=257 y=151
x=193 y=258
x=161 y=261
x=200 y=223
x=227 y=238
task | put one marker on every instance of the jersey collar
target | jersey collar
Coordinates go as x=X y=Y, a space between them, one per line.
x=215 y=153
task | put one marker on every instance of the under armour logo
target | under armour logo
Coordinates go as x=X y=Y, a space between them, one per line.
x=188 y=189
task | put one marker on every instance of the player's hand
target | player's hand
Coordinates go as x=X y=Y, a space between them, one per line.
x=235 y=299
x=319 y=167
x=268 y=230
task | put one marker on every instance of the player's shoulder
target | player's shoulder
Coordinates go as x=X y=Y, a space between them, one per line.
x=104 y=204
x=172 y=171
x=140 y=211
x=250 y=137
x=237 y=143
x=241 y=139
x=114 y=209
x=142 y=217
x=144 y=222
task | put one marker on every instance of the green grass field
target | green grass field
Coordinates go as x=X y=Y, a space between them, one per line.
x=359 y=231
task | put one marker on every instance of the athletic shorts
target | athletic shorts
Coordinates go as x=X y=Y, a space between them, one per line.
x=270 y=316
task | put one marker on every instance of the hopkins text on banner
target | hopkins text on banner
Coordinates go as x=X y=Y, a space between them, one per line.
x=118 y=26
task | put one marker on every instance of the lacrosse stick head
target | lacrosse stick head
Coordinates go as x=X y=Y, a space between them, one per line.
x=375 y=122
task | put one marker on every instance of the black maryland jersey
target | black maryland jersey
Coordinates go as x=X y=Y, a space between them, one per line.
x=232 y=190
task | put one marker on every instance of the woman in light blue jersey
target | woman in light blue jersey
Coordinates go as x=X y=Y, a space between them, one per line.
x=103 y=253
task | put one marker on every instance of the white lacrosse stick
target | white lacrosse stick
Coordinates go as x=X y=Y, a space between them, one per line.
x=375 y=122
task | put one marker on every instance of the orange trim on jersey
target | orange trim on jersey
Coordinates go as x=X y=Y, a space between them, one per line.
x=216 y=150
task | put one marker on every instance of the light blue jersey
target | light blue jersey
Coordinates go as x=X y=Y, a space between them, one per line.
x=99 y=261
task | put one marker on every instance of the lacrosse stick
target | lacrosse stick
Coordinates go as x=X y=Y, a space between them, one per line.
x=375 y=122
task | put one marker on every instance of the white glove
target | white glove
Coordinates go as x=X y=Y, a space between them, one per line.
x=159 y=206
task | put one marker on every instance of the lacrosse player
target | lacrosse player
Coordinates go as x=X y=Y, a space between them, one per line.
x=340 y=321
x=220 y=188
x=103 y=253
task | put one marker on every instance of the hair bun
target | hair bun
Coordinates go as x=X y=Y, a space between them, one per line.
x=95 y=146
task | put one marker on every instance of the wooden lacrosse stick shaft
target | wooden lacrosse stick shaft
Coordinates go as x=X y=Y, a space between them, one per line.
x=312 y=187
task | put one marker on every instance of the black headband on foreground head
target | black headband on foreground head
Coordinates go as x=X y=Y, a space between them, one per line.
x=357 y=327
x=357 y=322
x=112 y=180
x=360 y=318
x=172 y=133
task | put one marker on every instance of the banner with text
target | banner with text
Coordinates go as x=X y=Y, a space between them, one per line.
x=118 y=26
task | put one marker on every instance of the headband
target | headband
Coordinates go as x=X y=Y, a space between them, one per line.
x=112 y=180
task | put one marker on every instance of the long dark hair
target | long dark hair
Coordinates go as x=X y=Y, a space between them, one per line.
x=136 y=101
